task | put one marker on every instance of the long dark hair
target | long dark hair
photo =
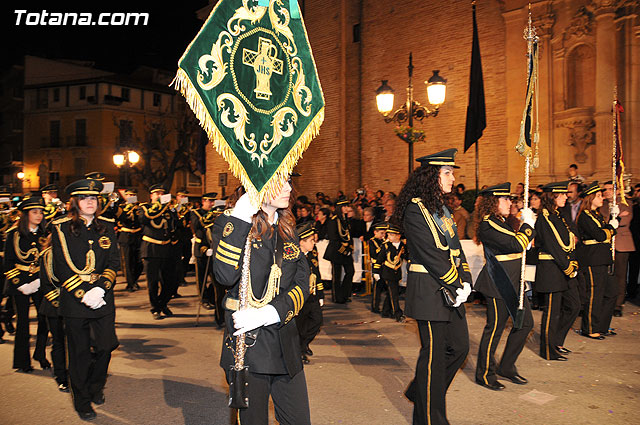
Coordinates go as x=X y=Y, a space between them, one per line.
x=76 y=221
x=487 y=206
x=586 y=204
x=23 y=224
x=548 y=201
x=423 y=183
x=286 y=222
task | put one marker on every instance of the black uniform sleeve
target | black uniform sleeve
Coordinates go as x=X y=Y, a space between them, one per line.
x=288 y=304
x=378 y=260
x=550 y=244
x=590 y=228
x=107 y=277
x=228 y=254
x=13 y=275
x=429 y=250
x=504 y=241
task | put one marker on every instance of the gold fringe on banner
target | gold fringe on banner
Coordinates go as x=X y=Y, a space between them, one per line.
x=280 y=176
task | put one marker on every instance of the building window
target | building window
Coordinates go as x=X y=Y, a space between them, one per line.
x=81 y=132
x=54 y=134
x=56 y=95
x=125 y=94
x=356 y=33
x=42 y=98
x=156 y=99
x=80 y=166
x=83 y=92
x=126 y=132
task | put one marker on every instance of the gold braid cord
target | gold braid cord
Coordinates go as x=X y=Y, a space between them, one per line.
x=24 y=256
x=273 y=288
x=90 y=265
x=243 y=300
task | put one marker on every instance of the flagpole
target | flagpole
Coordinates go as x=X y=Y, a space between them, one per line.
x=477 y=172
x=614 y=164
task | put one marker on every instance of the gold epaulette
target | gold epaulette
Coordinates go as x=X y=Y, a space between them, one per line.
x=110 y=220
x=61 y=220
x=227 y=212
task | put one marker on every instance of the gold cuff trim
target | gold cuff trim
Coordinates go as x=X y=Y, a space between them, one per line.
x=155 y=241
x=230 y=247
x=508 y=257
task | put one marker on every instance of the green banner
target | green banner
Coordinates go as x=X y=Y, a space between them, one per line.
x=250 y=78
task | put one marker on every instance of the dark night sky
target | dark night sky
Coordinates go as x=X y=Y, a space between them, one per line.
x=172 y=25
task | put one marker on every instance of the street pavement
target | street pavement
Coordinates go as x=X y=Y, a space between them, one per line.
x=167 y=372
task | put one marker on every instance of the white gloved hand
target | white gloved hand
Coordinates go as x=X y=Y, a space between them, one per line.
x=321 y=301
x=30 y=288
x=528 y=217
x=94 y=298
x=462 y=294
x=244 y=209
x=24 y=288
x=376 y=276
x=209 y=252
x=614 y=223
x=251 y=318
x=614 y=210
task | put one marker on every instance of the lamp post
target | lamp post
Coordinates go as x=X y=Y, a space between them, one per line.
x=125 y=160
x=412 y=109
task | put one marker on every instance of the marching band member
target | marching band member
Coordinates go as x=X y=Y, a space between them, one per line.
x=388 y=272
x=339 y=253
x=129 y=239
x=507 y=246
x=437 y=264
x=375 y=245
x=86 y=259
x=556 y=272
x=594 y=257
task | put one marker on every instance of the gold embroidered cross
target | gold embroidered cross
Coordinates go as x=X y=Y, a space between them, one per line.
x=448 y=224
x=264 y=63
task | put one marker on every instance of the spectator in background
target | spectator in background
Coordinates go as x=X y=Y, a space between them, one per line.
x=368 y=215
x=459 y=214
x=304 y=214
x=460 y=189
x=570 y=210
x=519 y=190
x=321 y=223
x=389 y=207
x=573 y=174
x=634 y=257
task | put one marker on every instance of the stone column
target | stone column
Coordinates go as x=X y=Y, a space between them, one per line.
x=605 y=82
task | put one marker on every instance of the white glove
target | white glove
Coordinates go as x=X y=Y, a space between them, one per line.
x=614 y=210
x=321 y=301
x=251 y=318
x=24 y=288
x=528 y=217
x=209 y=252
x=30 y=288
x=463 y=294
x=614 y=223
x=94 y=298
x=376 y=276
x=244 y=209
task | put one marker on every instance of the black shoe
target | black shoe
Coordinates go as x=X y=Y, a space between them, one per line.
x=599 y=337
x=207 y=305
x=27 y=369
x=305 y=359
x=560 y=359
x=610 y=333
x=87 y=415
x=176 y=295
x=136 y=286
x=8 y=325
x=166 y=311
x=348 y=300
x=1 y=340
x=375 y=310
x=385 y=315
x=44 y=364
x=563 y=350
x=495 y=386
x=516 y=379
x=308 y=352
x=63 y=387
x=98 y=398
x=401 y=318
x=131 y=289
x=617 y=313
x=156 y=315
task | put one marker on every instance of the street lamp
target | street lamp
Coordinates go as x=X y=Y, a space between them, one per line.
x=125 y=160
x=412 y=109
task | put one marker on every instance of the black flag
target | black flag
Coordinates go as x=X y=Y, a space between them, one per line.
x=476 y=114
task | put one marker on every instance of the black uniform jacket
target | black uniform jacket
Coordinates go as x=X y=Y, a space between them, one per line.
x=277 y=347
x=375 y=245
x=72 y=254
x=432 y=265
x=556 y=255
x=340 y=245
x=389 y=261
x=507 y=245
x=316 y=287
x=202 y=223
x=595 y=236
x=158 y=225
x=49 y=285
x=20 y=259
x=129 y=227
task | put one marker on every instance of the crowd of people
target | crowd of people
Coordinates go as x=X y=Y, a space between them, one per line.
x=63 y=257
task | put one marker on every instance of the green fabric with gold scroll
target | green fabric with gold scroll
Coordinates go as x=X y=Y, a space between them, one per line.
x=250 y=78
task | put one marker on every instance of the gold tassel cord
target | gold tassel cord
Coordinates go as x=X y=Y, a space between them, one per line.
x=280 y=176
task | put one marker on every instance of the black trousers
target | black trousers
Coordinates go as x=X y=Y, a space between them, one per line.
x=58 y=350
x=391 y=305
x=21 y=358
x=160 y=282
x=309 y=321
x=379 y=286
x=595 y=278
x=559 y=312
x=445 y=346
x=497 y=316
x=87 y=370
x=290 y=400
x=132 y=265
x=608 y=303
x=342 y=287
x=634 y=270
